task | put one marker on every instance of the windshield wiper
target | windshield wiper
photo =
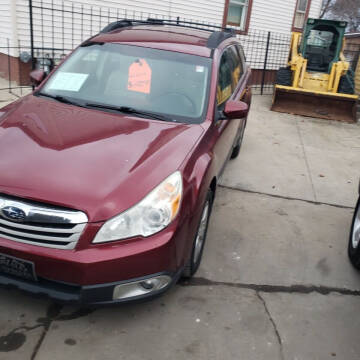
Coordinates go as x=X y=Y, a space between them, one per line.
x=130 y=110
x=60 y=98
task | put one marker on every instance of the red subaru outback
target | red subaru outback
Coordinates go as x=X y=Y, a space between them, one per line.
x=108 y=170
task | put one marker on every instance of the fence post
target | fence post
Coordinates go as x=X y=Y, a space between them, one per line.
x=31 y=35
x=9 y=63
x=265 y=62
x=20 y=69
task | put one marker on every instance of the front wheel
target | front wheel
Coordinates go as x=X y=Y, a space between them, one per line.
x=200 y=237
x=354 y=238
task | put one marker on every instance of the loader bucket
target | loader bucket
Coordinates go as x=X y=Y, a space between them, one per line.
x=341 y=107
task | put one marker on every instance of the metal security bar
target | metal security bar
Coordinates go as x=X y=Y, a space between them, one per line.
x=266 y=52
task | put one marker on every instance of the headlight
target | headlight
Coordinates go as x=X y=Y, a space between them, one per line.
x=152 y=214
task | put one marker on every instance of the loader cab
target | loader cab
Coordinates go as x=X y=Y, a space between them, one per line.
x=322 y=43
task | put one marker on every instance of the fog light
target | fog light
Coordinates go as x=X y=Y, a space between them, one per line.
x=148 y=284
x=142 y=287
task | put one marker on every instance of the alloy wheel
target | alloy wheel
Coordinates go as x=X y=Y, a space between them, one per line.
x=200 y=237
x=356 y=230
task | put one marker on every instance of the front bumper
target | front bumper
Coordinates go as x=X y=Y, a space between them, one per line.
x=93 y=295
x=89 y=273
x=91 y=264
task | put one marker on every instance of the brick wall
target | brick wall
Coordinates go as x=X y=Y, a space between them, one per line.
x=12 y=68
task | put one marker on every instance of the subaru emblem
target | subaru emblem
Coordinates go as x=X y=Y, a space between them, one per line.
x=13 y=213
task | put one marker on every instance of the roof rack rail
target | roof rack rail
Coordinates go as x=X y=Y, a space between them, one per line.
x=219 y=33
x=117 y=25
x=217 y=37
x=184 y=23
x=178 y=22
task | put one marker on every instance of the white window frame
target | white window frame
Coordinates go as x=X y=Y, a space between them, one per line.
x=245 y=4
x=301 y=13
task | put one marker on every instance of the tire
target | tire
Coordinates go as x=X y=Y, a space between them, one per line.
x=354 y=238
x=198 y=247
x=237 y=147
x=284 y=77
x=235 y=152
x=347 y=83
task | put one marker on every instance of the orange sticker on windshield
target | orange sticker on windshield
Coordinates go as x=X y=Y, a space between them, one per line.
x=139 y=76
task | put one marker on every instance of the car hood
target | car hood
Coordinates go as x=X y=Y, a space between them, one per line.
x=98 y=162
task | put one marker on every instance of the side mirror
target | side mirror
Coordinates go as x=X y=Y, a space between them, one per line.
x=37 y=76
x=236 y=109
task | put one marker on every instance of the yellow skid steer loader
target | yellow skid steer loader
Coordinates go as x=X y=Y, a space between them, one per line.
x=318 y=81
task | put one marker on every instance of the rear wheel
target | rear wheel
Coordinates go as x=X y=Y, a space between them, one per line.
x=284 y=77
x=347 y=83
x=354 y=238
x=237 y=147
x=200 y=237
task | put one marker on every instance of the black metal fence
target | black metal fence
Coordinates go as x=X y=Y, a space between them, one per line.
x=52 y=29
x=266 y=52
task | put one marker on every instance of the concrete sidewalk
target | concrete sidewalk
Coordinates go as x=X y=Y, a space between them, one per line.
x=6 y=96
x=297 y=157
x=275 y=282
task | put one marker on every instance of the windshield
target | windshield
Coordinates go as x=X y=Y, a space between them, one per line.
x=320 y=38
x=157 y=81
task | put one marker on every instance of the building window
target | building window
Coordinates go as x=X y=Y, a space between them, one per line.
x=237 y=13
x=301 y=12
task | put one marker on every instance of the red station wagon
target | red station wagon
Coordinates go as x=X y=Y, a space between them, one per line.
x=108 y=170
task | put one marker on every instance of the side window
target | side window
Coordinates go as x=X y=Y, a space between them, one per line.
x=230 y=72
x=224 y=86
x=237 y=66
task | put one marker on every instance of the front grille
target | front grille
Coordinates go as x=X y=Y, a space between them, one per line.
x=42 y=225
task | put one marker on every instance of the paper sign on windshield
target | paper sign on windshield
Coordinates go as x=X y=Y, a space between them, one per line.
x=139 y=76
x=67 y=81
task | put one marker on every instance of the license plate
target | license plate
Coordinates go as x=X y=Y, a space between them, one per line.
x=17 y=267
